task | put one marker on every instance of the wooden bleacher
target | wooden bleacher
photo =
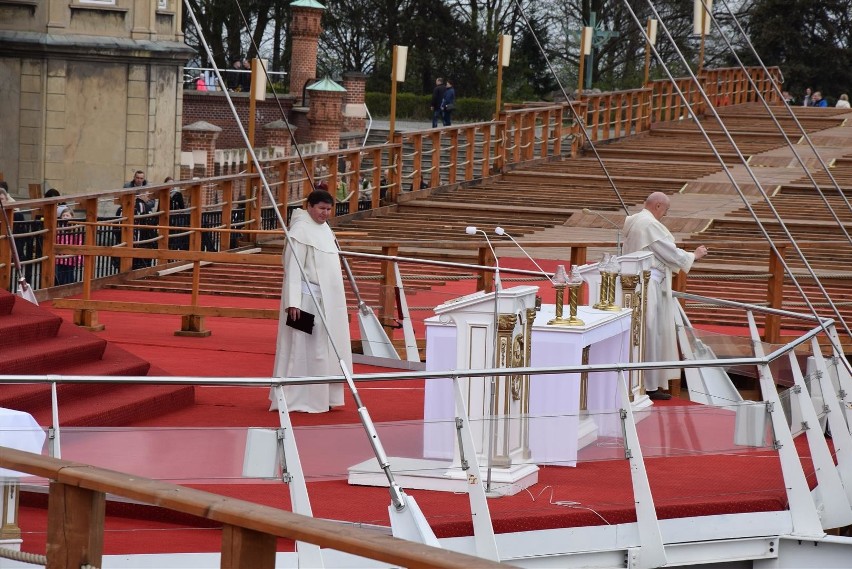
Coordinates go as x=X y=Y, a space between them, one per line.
x=547 y=200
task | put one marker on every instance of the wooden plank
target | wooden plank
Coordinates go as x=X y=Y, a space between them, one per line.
x=151 y=308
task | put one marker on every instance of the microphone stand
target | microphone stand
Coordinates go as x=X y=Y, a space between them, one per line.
x=503 y=232
x=617 y=229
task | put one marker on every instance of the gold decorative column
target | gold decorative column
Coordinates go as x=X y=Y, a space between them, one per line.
x=632 y=299
x=646 y=278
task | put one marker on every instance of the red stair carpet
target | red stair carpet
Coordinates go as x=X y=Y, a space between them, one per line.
x=34 y=341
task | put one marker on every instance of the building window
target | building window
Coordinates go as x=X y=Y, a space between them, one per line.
x=162 y=4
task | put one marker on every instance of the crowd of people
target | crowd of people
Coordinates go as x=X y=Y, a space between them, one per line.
x=815 y=99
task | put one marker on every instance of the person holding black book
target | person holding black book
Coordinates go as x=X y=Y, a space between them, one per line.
x=304 y=348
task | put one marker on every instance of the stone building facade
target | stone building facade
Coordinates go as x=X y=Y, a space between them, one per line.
x=89 y=92
x=92 y=90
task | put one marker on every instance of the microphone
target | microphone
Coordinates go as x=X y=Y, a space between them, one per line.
x=500 y=231
x=472 y=230
x=617 y=229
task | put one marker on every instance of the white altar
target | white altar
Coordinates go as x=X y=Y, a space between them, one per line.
x=554 y=401
x=18 y=430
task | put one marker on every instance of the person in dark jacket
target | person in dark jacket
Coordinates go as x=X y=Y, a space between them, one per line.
x=449 y=103
x=437 y=101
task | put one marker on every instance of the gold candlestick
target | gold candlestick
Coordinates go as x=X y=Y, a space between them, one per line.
x=574 y=293
x=560 y=302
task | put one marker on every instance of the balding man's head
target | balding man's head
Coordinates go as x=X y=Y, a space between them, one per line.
x=658 y=204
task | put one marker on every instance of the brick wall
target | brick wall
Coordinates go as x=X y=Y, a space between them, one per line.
x=355 y=84
x=325 y=116
x=212 y=107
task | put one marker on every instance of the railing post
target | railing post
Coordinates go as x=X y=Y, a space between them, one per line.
x=452 y=171
x=87 y=317
x=387 y=290
x=6 y=253
x=501 y=132
x=193 y=324
x=243 y=547
x=75 y=527
x=353 y=183
x=395 y=163
x=48 y=241
x=228 y=214
x=485 y=279
x=470 y=152
x=128 y=210
x=435 y=160
x=558 y=117
x=774 y=294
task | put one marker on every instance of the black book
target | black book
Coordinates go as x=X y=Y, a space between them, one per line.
x=305 y=323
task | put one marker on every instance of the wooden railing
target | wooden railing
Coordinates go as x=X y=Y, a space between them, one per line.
x=227 y=211
x=76 y=514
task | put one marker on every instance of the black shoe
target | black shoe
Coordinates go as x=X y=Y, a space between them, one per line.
x=658 y=395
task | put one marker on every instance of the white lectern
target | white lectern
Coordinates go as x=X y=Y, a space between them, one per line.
x=462 y=336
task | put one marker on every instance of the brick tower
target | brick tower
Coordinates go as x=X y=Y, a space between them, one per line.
x=325 y=113
x=305 y=29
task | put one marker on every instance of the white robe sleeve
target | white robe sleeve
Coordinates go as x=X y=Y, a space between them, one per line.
x=674 y=258
x=292 y=275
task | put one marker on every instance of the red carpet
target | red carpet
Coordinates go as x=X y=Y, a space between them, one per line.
x=688 y=478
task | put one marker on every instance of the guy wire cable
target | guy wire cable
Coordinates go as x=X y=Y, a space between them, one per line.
x=363 y=308
x=742 y=159
x=774 y=119
x=580 y=121
x=396 y=492
x=795 y=118
x=789 y=143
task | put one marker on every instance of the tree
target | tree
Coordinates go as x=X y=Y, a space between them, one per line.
x=809 y=41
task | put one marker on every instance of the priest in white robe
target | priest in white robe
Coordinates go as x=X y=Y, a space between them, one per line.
x=297 y=353
x=645 y=232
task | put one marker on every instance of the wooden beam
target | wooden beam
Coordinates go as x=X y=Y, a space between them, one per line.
x=141 y=307
x=75 y=526
x=243 y=548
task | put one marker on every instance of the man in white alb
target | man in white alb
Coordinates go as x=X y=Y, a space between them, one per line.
x=644 y=232
x=299 y=353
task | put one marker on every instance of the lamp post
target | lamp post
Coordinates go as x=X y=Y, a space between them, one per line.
x=651 y=31
x=400 y=55
x=585 y=50
x=504 y=50
x=701 y=26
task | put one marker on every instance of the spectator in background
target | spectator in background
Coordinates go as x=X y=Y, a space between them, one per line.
x=22 y=245
x=449 y=103
x=234 y=76
x=437 y=101
x=141 y=207
x=806 y=100
x=817 y=100
x=66 y=266
x=843 y=102
x=245 y=78
x=137 y=181
x=200 y=83
x=176 y=201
